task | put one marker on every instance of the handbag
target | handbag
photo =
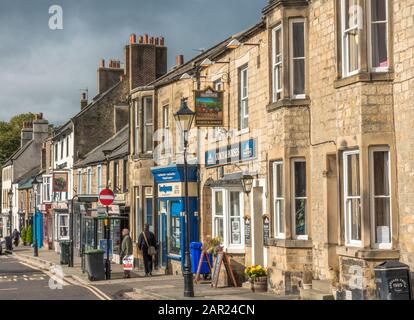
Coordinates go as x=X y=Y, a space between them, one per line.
x=151 y=249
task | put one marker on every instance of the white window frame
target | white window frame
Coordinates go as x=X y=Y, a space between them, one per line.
x=345 y=49
x=244 y=99
x=136 y=128
x=228 y=246
x=294 y=198
x=146 y=124
x=372 y=150
x=47 y=188
x=292 y=59
x=277 y=64
x=89 y=180
x=62 y=148
x=99 y=185
x=347 y=222
x=278 y=202
x=80 y=181
x=59 y=226
x=370 y=23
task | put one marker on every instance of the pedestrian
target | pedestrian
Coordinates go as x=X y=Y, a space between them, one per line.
x=126 y=250
x=16 y=237
x=147 y=244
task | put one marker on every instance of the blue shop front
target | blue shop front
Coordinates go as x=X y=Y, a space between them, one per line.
x=171 y=233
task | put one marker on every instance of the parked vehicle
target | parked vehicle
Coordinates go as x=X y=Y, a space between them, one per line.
x=2 y=246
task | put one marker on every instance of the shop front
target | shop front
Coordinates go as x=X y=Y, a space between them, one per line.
x=171 y=214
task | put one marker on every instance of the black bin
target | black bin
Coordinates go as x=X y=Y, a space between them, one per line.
x=393 y=281
x=64 y=252
x=94 y=264
x=9 y=243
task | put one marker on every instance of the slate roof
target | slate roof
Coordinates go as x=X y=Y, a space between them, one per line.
x=15 y=155
x=26 y=181
x=119 y=144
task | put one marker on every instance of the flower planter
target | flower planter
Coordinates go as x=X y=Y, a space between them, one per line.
x=258 y=284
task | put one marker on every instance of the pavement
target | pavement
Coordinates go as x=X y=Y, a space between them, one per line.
x=138 y=287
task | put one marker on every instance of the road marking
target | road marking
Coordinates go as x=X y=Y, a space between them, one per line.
x=8 y=289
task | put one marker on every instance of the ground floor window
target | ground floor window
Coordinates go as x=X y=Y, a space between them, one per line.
x=63 y=226
x=278 y=200
x=299 y=199
x=227 y=217
x=380 y=196
x=352 y=198
x=148 y=206
x=175 y=235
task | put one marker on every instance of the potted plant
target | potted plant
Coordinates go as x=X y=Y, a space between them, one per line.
x=23 y=236
x=257 y=276
x=29 y=235
x=212 y=246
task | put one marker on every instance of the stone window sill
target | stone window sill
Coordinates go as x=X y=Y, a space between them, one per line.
x=143 y=156
x=367 y=254
x=364 y=77
x=287 y=103
x=290 y=243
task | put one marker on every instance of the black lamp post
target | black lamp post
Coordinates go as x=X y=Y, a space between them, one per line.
x=184 y=118
x=107 y=226
x=10 y=195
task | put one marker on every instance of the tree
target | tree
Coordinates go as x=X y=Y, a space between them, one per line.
x=10 y=135
x=29 y=235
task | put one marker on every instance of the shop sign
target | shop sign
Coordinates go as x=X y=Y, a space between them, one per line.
x=209 y=108
x=247 y=231
x=60 y=182
x=242 y=151
x=174 y=173
x=169 y=189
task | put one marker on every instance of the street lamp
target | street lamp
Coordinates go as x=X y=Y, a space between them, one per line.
x=247 y=182
x=35 y=184
x=10 y=195
x=184 y=118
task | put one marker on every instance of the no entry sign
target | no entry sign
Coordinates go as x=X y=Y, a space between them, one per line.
x=106 y=197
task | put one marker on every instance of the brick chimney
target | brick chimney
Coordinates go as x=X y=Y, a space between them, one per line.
x=145 y=61
x=108 y=76
x=179 y=60
x=26 y=133
x=40 y=128
x=83 y=100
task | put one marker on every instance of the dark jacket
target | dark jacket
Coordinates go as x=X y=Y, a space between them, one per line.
x=16 y=234
x=142 y=245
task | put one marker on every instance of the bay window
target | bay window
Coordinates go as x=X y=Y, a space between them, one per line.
x=136 y=129
x=297 y=57
x=277 y=63
x=244 y=98
x=148 y=125
x=352 y=198
x=299 y=201
x=350 y=16
x=228 y=217
x=278 y=200
x=378 y=34
x=380 y=197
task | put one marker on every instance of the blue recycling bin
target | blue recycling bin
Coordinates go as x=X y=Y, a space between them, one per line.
x=195 y=253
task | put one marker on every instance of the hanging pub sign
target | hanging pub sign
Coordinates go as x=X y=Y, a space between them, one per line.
x=209 y=108
x=266 y=230
x=247 y=231
x=60 y=182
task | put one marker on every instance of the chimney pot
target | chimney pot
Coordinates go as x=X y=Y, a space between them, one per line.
x=102 y=63
x=146 y=38
x=162 y=40
x=152 y=40
x=133 y=38
x=179 y=60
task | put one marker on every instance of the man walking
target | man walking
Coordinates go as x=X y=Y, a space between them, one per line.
x=126 y=250
x=147 y=244
x=16 y=237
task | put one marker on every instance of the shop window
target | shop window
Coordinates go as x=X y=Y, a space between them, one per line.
x=63 y=226
x=352 y=198
x=378 y=34
x=350 y=16
x=244 y=98
x=175 y=234
x=277 y=63
x=148 y=124
x=227 y=217
x=299 y=201
x=297 y=57
x=380 y=194
x=278 y=200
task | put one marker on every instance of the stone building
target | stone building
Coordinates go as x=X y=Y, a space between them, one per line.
x=316 y=109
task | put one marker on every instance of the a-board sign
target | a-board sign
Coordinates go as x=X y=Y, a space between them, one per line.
x=266 y=230
x=221 y=258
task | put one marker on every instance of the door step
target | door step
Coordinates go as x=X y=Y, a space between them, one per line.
x=321 y=290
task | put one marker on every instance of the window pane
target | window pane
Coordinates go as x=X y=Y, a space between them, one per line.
x=351 y=13
x=279 y=180
x=219 y=203
x=353 y=50
x=378 y=10
x=379 y=45
x=234 y=204
x=175 y=233
x=381 y=173
x=281 y=216
x=298 y=39
x=278 y=45
x=355 y=216
x=300 y=217
x=382 y=220
x=148 y=110
x=219 y=227
x=300 y=178
x=353 y=175
x=148 y=137
x=298 y=76
x=235 y=231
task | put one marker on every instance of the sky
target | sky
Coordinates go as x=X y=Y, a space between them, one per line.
x=44 y=70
